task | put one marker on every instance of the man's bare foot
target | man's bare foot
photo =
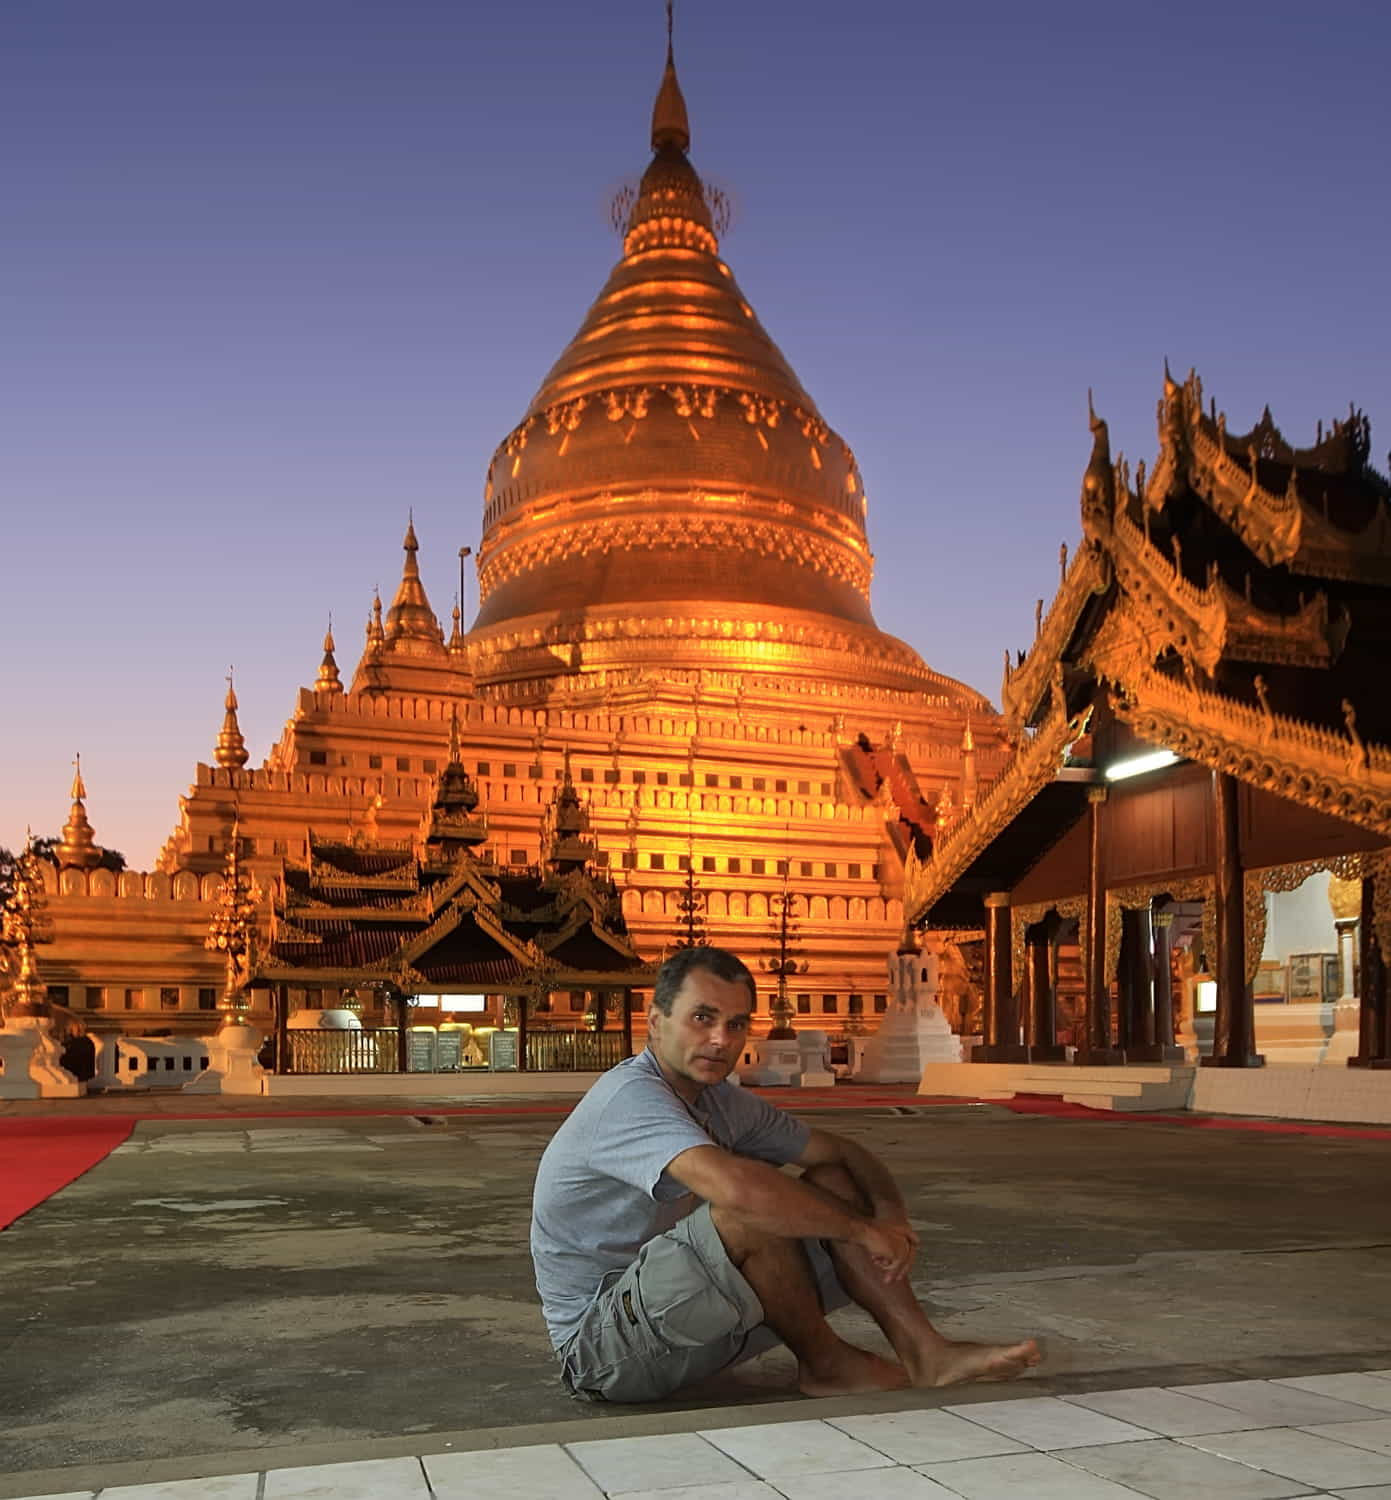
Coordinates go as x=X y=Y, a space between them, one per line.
x=851 y=1372
x=956 y=1363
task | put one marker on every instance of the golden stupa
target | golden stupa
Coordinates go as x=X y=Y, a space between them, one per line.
x=674 y=585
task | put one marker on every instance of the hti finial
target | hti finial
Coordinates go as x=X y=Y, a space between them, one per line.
x=670 y=126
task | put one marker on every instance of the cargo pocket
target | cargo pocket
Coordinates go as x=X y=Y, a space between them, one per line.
x=683 y=1306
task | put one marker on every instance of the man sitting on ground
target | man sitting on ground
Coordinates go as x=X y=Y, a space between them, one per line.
x=667 y=1245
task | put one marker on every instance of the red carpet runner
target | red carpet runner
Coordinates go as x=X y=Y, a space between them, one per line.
x=38 y=1157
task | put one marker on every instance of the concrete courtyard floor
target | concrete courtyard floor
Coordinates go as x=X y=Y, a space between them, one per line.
x=233 y=1293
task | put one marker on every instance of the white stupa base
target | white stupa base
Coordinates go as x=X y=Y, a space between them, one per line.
x=232 y=1065
x=29 y=1066
x=909 y=1037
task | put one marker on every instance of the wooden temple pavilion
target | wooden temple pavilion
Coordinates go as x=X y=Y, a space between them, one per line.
x=1202 y=717
x=438 y=915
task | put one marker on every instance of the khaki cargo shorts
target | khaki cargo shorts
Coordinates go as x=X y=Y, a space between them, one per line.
x=680 y=1312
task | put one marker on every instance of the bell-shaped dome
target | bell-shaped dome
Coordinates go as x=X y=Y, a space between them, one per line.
x=672 y=488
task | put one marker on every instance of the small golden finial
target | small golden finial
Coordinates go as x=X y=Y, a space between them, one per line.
x=328 y=680
x=77 y=846
x=455 y=750
x=230 y=751
x=670 y=125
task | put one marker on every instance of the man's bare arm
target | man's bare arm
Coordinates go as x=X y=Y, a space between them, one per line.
x=871 y=1176
x=763 y=1197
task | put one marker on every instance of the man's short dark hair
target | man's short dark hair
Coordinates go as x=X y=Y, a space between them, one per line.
x=717 y=961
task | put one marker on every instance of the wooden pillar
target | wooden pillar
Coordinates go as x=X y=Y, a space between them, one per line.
x=1165 y=1048
x=1234 y=1026
x=1001 y=1039
x=1097 y=1049
x=1041 y=1034
x=403 y=1045
x=600 y=1000
x=626 y=1000
x=282 y=1028
x=1136 y=1014
x=523 y=1001
x=1374 y=1010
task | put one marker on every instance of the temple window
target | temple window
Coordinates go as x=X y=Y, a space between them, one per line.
x=57 y=993
x=169 y=997
x=760 y=783
x=518 y=856
x=485 y=768
x=212 y=843
x=683 y=861
x=132 y=998
x=758 y=867
x=782 y=867
x=586 y=773
x=806 y=868
x=804 y=789
x=780 y=785
x=831 y=872
x=535 y=770
x=601 y=859
x=403 y=762
x=374 y=762
x=830 y=1005
x=630 y=859
x=430 y=767
x=662 y=778
x=657 y=861
x=734 y=867
x=736 y=783
x=852 y=872
x=856 y=1005
x=96 y=997
x=685 y=779
x=207 y=998
x=707 y=863
x=611 y=776
x=318 y=757
x=881 y=1004
x=509 y=770
x=825 y=788
x=639 y=778
x=711 y=779
x=803 y=1005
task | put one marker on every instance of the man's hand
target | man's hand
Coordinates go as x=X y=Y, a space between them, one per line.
x=892 y=1244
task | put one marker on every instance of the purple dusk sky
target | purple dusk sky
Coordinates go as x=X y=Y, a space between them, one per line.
x=275 y=272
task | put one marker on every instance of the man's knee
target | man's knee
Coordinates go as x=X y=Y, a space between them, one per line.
x=741 y=1238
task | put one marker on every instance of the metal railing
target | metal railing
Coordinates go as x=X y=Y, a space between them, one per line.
x=373 y=1049
x=573 y=1051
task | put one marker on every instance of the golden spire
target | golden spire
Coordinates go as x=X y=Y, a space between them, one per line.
x=456 y=635
x=670 y=125
x=375 y=634
x=455 y=752
x=78 y=846
x=969 y=782
x=328 y=680
x=410 y=616
x=231 y=748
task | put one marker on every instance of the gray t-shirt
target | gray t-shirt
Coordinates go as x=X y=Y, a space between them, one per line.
x=602 y=1188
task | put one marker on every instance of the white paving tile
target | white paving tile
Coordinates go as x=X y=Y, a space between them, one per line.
x=925 y=1437
x=1173 y=1471
x=545 y=1472
x=791 y=1448
x=1024 y=1476
x=367 y=1479
x=746 y=1489
x=223 y=1487
x=1045 y=1422
x=1162 y=1411
x=1371 y=1492
x=66 y=1495
x=1364 y=1390
x=618 y=1465
x=872 y=1484
x=1275 y=1405
x=1375 y=1434
x=1299 y=1455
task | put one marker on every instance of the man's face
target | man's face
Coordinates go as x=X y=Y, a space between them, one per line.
x=700 y=1041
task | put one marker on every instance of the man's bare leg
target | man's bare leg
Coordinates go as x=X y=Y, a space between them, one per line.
x=929 y=1358
x=780 y=1274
